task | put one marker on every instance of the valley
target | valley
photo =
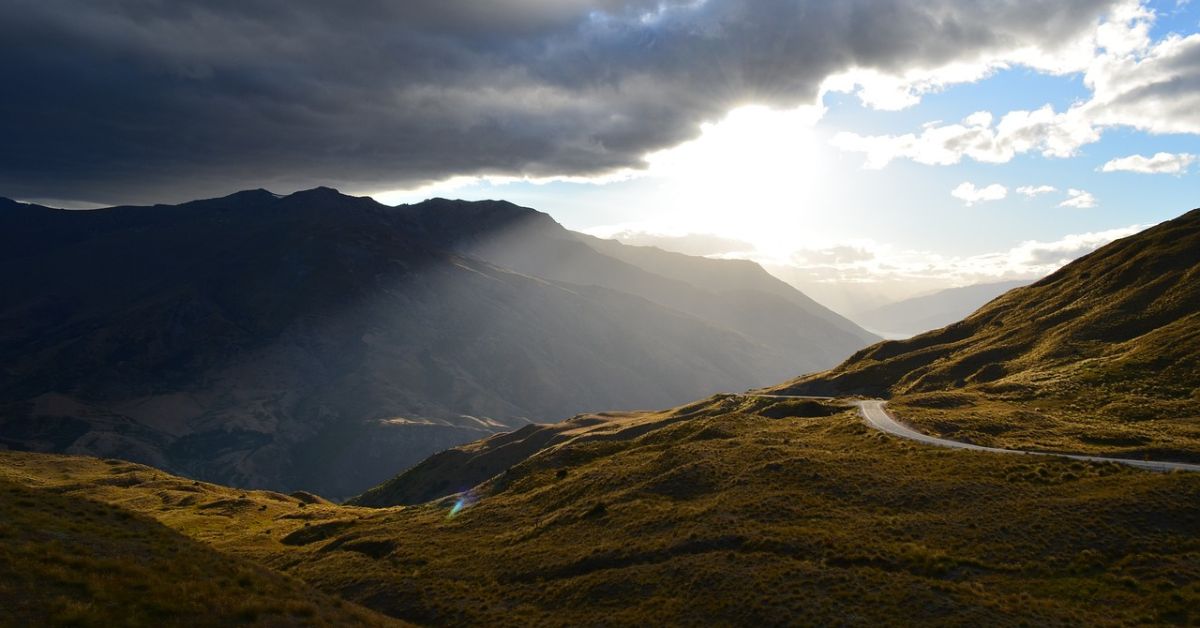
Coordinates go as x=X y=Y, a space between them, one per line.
x=599 y=313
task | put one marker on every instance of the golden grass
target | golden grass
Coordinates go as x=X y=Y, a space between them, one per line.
x=1102 y=356
x=725 y=516
x=71 y=561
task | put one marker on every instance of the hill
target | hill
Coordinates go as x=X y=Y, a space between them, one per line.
x=1101 y=356
x=461 y=468
x=325 y=342
x=933 y=311
x=730 y=510
x=72 y=561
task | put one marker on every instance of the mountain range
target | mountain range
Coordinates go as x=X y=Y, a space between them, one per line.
x=326 y=342
x=926 y=312
x=735 y=509
x=1103 y=356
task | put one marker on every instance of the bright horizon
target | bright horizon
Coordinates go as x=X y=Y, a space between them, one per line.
x=860 y=159
x=999 y=168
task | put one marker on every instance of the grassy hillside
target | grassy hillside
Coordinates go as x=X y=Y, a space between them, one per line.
x=730 y=510
x=1102 y=356
x=71 y=561
x=461 y=468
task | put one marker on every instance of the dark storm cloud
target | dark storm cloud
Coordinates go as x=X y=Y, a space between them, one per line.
x=138 y=100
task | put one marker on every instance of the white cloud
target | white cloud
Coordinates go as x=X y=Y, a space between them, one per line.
x=687 y=243
x=869 y=262
x=1032 y=191
x=1135 y=82
x=1079 y=199
x=900 y=89
x=969 y=194
x=1043 y=130
x=892 y=92
x=1169 y=163
x=1153 y=90
x=849 y=253
x=1049 y=256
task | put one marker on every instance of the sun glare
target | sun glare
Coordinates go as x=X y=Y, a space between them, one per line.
x=749 y=176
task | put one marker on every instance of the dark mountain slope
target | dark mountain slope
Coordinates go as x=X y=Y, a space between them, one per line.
x=722 y=275
x=1104 y=353
x=933 y=311
x=793 y=330
x=314 y=341
x=714 y=274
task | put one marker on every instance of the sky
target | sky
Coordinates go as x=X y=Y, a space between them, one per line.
x=864 y=150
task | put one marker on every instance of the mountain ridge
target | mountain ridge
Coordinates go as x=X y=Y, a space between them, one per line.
x=324 y=342
x=927 y=312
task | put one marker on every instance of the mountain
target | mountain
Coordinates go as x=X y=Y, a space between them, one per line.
x=325 y=342
x=734 y=294
x=742 y=279
x=1103 y=355
x=933 y=311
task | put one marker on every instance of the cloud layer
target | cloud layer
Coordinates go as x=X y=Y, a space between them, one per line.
x=135 y=101
x=1169 y=163
x=1079 y=199
x=1135 y=83
x=688 y=243
x=969 y=194
x=1036 y=190
x=879 y=263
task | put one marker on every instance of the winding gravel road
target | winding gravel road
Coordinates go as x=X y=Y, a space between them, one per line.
x=874 y=413
x=876 y=416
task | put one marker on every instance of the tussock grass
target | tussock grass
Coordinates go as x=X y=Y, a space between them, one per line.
x=717 y=514
x=71 y=561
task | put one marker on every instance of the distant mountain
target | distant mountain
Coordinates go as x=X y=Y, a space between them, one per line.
x=1103 y=355
x=734 y=294
x=741 y=278
x=931 y=311
x=326 y=342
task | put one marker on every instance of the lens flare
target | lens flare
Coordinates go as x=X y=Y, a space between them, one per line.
x=465 y=500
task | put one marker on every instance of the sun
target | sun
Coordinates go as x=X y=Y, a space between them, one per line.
x=755 y=175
